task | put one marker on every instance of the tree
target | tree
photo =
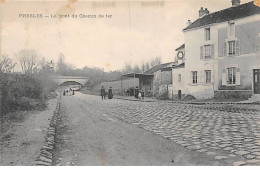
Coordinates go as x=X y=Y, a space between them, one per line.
x=156 y=61
x=127 y=68
x=136 y=69
x=147 y=66
x=143 y=67
x=6 y=64
x=28 y=60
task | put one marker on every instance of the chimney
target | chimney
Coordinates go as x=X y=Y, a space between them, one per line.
x=203 y=12
x=188 y=23
x=235 y=3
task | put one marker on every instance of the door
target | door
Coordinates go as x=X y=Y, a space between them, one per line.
x=256 y=81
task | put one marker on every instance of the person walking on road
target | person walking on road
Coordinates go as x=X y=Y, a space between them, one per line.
x=103 y=92
x=142 y=94
x=110 y=93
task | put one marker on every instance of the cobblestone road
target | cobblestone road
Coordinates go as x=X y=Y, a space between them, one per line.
x=222 y=131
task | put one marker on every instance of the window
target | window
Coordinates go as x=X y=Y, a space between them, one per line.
x=231 y=29
x=231 y=75
x=231 y=47
x=208 y=76
x=206 y=51
x=207 y=34
x=194 y=77
x=179 y=78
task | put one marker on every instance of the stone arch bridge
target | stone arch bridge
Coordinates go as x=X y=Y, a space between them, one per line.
x=64 y=79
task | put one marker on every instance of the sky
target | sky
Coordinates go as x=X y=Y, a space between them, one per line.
x=134 y=31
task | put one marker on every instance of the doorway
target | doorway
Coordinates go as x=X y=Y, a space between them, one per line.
x=256 y=82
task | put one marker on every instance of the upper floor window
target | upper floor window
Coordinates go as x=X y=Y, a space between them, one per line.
x=231 y=47
x=206 y=52
x=179 y=78
x=207 y=34
x=231 y=29
x=194 y=77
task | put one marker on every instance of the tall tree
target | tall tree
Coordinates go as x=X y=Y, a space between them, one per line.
x=6 y=64
x=28 y=60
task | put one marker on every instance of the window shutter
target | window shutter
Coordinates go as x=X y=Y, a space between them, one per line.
x=257 y=44
x=237 y=76
x=200 y=77
x=201 y=53
x=225 y=49
x=237 y=43
x=224 y=77
x=212 y=51
x=212 y=77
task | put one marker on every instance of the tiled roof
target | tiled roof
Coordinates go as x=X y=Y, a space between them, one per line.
x=156 y=68
x=181 y=47
x=228 y=14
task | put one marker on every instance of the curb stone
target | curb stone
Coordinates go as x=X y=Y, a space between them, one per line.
x=45 y=157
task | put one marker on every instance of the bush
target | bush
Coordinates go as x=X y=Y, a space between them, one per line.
x=21 y=92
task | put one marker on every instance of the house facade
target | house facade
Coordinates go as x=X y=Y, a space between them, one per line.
x=179 y=87
x=222 y=53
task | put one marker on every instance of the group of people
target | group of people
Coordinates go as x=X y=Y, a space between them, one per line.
x=68 y=92
x=105 y=93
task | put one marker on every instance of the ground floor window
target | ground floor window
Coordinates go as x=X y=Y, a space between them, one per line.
x=194 y=77
x=207 y=76
x=231 y=75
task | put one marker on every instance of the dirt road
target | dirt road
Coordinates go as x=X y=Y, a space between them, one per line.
x=88 y=135
x=22 y=140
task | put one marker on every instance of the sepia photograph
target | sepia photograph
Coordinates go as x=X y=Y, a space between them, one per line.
x=130 y=83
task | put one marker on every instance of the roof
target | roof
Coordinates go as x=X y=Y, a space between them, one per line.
x=156 y=68
x=136 y=75
x=179 y=66
x=181 y=47
x=228 y=14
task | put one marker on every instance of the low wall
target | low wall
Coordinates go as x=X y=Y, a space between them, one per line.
x=233 y=94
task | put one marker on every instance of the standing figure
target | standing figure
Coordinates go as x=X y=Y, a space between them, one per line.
x=142 y=94
x=73 y=92
x=110 y=93
x=136 y=92
x=64 y=93
x=103 y=92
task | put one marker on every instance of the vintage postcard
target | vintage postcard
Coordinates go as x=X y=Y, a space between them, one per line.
x=130 y=83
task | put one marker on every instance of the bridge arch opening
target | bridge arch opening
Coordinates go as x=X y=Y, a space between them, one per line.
x=71 y=83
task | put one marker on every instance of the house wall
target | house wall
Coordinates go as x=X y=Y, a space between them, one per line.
x=245 y=31
x=176 y=84
x=193 y=41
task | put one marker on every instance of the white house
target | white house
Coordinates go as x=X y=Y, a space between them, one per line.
x=222 y=53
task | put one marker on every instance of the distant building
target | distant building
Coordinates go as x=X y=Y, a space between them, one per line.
x=151 y=80
x=222 y=54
